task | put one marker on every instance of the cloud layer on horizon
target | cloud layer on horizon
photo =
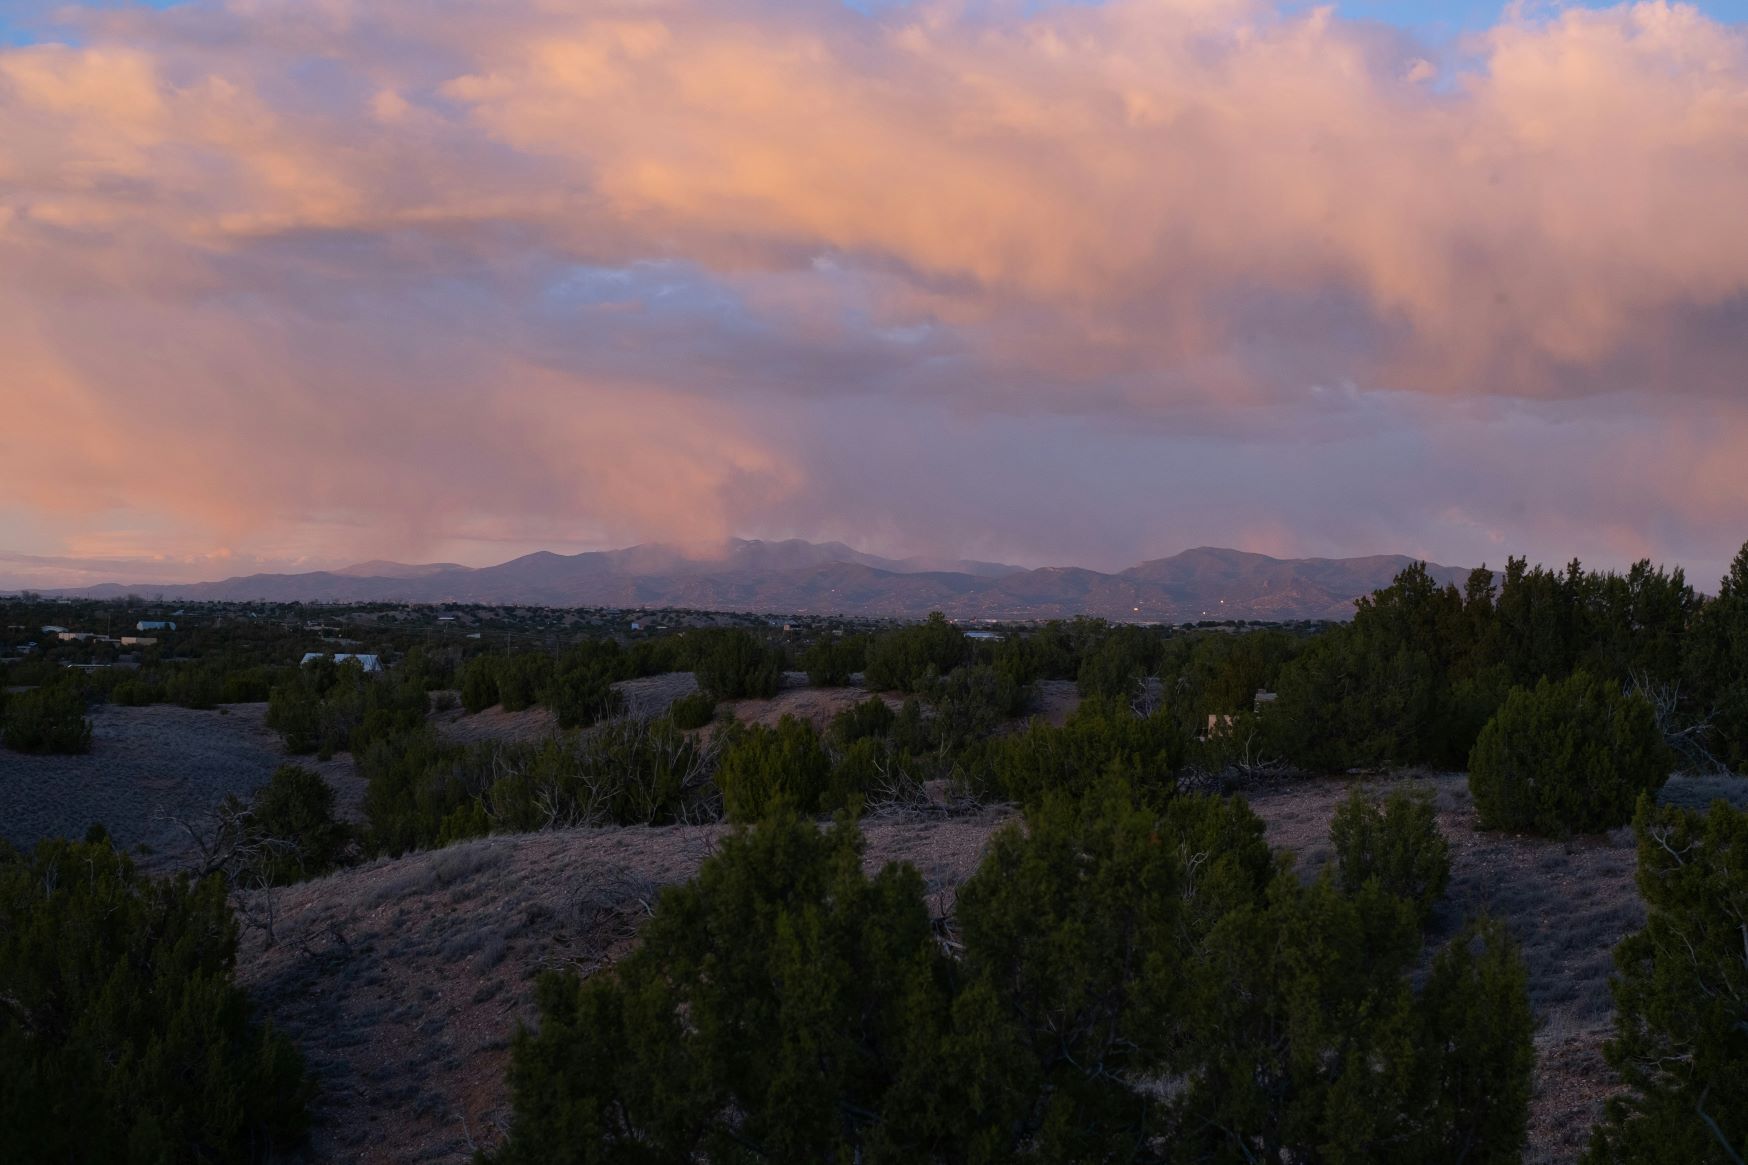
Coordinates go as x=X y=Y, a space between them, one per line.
x=316 y=281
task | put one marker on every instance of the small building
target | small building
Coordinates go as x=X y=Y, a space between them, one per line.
x=139 y=640
x=154 y=625
x=73 y=636
x=51 y=629
x=986 y=636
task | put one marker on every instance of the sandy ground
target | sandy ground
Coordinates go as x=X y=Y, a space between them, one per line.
x=146 y=767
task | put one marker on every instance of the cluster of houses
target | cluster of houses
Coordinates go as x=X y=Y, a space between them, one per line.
x=68 y=636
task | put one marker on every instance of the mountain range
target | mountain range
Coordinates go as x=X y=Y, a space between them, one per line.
x=798 y=577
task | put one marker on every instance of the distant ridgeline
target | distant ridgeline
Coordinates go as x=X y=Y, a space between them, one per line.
x=804 y=577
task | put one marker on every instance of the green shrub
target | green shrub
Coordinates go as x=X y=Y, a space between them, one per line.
x=479 y=683
x=764 y=769
x=1398 y=845
x=1116 y=666
x=294 y=710
x=910 y=657
x=1476 y=1051
x=580 y=701
x=732 y=665
x=523 y=679
x=626 y=771
x=694 y=710
x=122 y=1034
x=783 y=1006
x=870 y=717
x=580 y=688
x=1681 y=995
x=288 y=832
x=423 y=792
x=46 y=719
x=135 y=694
x=830 y=661
x=972 y=701
x=1566 y=757
x=1103 y=738
x=787 y=1006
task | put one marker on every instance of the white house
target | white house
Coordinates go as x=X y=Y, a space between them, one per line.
x=154 y=625
x=370 y=663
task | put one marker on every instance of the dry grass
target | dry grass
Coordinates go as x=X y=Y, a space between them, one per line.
x=146 y=766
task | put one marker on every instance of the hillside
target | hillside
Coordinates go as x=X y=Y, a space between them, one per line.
x=404 y=979
x=831 y=578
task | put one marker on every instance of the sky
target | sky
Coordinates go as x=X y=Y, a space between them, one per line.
x=288 y=284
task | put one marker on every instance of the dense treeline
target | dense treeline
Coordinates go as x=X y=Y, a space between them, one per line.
x=1421 y=669
x=1129 y=980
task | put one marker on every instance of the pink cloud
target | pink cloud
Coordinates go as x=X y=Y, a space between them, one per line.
x=272 y=267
